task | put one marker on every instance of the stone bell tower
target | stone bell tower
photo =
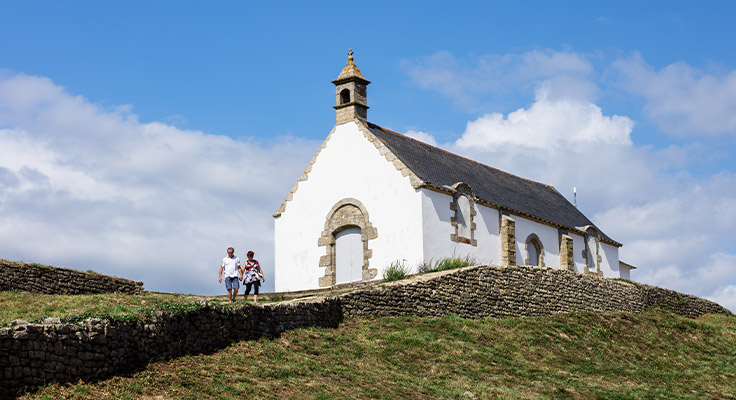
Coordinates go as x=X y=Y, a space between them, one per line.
x=350 y=91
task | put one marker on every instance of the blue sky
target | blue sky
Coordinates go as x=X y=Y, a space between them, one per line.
x=142 y=138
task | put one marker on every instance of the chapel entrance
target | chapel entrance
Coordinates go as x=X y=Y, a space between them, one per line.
x=348 y=255
x=346 y=237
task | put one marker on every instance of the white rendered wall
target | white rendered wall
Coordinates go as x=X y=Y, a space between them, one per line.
x=437 y=229
x=546 y=234
x=578 y=245
x=609 y=261
x=608 y=254
x=625 y=273
x=348 y=166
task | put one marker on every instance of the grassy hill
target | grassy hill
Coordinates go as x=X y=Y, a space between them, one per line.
x=656 y=355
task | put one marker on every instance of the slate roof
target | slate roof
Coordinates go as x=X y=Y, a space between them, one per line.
x=439 y=168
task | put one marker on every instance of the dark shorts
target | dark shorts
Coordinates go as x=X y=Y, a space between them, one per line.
x=255 y=284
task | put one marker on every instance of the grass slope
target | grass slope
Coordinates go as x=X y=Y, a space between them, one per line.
x=657 y=355
x=34 y=307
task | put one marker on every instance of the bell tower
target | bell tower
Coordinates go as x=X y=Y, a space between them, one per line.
x=350 y=93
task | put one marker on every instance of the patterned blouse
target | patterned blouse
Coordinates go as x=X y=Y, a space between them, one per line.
x=251 y=268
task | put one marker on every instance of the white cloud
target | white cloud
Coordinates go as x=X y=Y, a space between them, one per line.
x=421 y=136
x=89 y=187
x=683 y=100
x=725 y=296
x=563 y=74
x=548 y=124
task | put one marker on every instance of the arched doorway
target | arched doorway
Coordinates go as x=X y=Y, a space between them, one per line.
x=345 y=238
x=348 y=255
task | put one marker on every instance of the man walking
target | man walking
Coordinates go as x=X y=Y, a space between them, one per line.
x=231 y=266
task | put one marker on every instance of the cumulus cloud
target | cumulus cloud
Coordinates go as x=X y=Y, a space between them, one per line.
x=563 y=74
x=683 y=100
x=89 y=187
x=548 y=123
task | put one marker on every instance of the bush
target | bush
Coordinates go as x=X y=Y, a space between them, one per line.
x=397 y=270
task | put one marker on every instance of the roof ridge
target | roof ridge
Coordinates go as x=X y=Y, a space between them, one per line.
x=459 y=156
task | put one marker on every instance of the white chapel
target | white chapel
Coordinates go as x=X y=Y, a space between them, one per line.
x=371 y=196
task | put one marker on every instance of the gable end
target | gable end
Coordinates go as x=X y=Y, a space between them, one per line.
x=303 y=177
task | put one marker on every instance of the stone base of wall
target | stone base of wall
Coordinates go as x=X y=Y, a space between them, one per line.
x=51 y=280
x=34 y=354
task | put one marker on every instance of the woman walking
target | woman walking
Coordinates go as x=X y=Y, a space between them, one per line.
x=252 y=276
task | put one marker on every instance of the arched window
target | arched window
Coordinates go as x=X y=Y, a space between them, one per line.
x=534 y=251
x=463 y=208
x=592 y=250
x=463 y=217
x=591 y=244
x=345 y=96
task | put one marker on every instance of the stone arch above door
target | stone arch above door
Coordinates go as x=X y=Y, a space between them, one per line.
x=346 y=213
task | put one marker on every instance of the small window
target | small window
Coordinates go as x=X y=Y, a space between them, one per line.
x=463 y=209
x=592 y=252
x=533 y=254
x=534 y=251
x=345 y=96
x=463 y=217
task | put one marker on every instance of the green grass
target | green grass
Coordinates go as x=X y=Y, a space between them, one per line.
x=657 y=355
x=396 y=271
x=446 y=263
x=34 y=307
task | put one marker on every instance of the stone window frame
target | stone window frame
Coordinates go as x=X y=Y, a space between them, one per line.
x=534 y=240
x=348 y=212
x=567 y=255
x=463 y=189
x=591 y=231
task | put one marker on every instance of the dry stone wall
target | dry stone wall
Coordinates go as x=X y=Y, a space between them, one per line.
x=51 y=280
x=34 y=354
x=491 y=291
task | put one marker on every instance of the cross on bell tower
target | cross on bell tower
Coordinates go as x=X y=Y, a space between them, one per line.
x=350 y=93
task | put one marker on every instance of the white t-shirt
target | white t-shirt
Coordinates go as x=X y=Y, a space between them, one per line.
x=231 y=266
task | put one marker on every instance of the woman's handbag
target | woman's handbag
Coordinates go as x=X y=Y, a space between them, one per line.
x=259 y=276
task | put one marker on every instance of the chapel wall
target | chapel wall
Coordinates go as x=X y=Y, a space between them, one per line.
x=547 y=235
x=347 y=167
x=437 y=230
